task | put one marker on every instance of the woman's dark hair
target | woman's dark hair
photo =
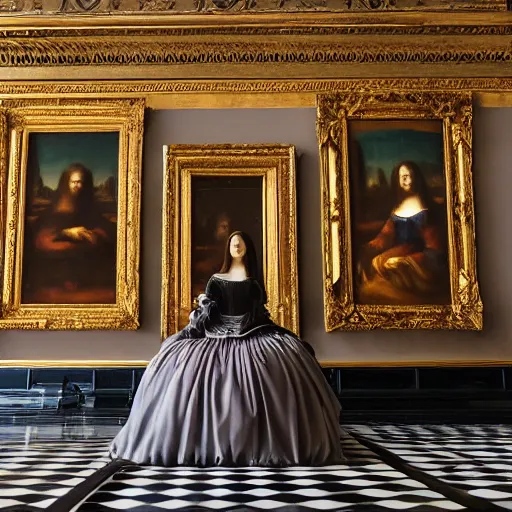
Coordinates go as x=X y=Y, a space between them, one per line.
x=419 y=185
x=249 y=260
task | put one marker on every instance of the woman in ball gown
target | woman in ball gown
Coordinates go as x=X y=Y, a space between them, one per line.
x=232 y=388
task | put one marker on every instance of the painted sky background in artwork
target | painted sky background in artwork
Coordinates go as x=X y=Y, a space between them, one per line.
x=98 y=151
x=385 y=148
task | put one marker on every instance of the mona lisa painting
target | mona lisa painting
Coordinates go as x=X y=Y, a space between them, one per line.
x=397 y=200
x=399 y=232
x=73 y=215
x=71 y=219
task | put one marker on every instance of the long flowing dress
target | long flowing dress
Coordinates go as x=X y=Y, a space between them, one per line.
x=232 y=389
x=421 y=277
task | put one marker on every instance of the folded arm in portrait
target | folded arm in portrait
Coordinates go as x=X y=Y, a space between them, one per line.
x=70 y=248
x=406 y=262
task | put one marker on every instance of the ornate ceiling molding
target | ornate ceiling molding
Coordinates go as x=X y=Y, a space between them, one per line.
x=262 y=45
x=339 y=30
x=243 y=6
x=148 y=88
x=232 y=47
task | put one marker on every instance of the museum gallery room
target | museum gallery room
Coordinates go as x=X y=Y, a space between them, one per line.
x=254 y=255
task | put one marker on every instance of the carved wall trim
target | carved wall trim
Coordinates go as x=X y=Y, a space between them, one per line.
x=256 y=43
x=243 y=6
x=148 y=88
x=351 y=28
x=107 y=51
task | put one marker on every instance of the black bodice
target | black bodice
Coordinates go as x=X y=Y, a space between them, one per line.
x=229 y=308
x=235 y=298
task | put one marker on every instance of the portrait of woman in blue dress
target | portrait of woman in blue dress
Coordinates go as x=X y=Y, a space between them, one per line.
x=232 y=388
x=407 y=263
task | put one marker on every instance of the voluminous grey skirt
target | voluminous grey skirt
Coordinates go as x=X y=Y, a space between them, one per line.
x=259 y=400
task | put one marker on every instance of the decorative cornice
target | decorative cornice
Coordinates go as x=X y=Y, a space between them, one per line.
x=112 y=51
x=146 y=88
x=243 y=6
x=348 y=29
x=255 y=42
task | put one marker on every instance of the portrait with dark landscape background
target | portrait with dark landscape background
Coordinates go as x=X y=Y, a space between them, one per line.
x=400 y=255
x=221 y=205
x=71 y=214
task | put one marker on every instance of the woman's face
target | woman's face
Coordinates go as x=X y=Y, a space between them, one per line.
x=237 y=247
x=405 y=178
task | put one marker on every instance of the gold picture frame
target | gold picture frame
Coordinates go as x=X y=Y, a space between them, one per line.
x=343 y=128
x=3 y=181
x=261 y=175
x=43 y=286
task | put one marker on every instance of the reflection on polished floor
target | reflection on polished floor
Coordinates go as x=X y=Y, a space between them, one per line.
x=43 y=456
x=58 y=461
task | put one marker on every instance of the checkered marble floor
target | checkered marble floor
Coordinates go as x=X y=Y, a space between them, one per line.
x=44 y=456
x=362 y=483
x=36 y=474
x=474 y=458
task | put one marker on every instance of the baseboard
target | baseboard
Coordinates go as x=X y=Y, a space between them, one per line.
x=407 y=394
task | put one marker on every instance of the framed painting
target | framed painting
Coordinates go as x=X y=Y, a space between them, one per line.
x=398 y=215
x=72 y=232
x=211 y=191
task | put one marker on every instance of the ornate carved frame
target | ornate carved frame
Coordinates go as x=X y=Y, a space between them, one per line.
x=276 y=165
x=25 y=116
x=455 y=112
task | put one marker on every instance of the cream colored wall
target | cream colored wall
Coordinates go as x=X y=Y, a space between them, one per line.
x=493 y=182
